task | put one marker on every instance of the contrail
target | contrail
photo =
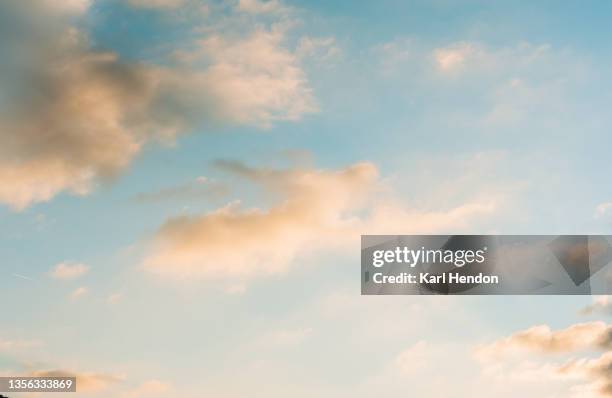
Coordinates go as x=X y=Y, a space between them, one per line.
x=23 y=277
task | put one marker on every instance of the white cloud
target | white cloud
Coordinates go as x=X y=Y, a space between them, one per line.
x=475 y=57
x=256 y=80
x=68 y=270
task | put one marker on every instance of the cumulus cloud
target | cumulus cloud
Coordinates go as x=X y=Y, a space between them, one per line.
x=67 y=270
x=256 y=80
x=315 y=210
x=72 y=117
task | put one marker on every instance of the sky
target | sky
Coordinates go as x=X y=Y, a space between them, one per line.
x=184 y=185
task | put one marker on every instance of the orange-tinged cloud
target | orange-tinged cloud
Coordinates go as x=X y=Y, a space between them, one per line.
x=68 y=270
x=592 y=336
x=86 y=382
x=318 y=210
x=73 y=117
x=241 y=243
x=582 y=336
x=601 y=304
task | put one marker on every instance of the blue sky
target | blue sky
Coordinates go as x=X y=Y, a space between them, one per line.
x=185 y=183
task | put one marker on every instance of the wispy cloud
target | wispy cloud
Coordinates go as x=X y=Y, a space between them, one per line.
x=79 y=293
x=316 y=210
x=87 y=382
x=199 y=188
x=68 y=270
x=601 y=305
x=593 y=336
x=604 y=210
x=156 y=4
x=151 y=388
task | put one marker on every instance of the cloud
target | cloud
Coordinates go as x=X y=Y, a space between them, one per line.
x=593 y=336
x=582 y=336
x=290 y=337
x=242 y=243
x=603 y=210
x=528 y=87
x=148 y=389
x=79 y=292
x=414 y=357
x=475 y=57
x=68 y=270
x=199 y=188
x=454 y=57
x=601 y=304
x=86 y=382
x=315 y=210
x=261 y=7
x=256 y=80
x=18 y=345
x=156 y=4
x=598 y=370
x=323 y=50
x=70 y=7
x=114 y=298
x=72 y=117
